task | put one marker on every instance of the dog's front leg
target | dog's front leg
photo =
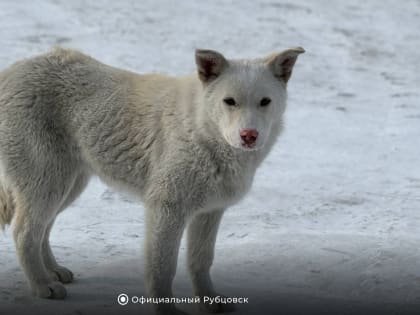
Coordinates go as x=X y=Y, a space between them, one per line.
x=202 y=233
x=164 y=229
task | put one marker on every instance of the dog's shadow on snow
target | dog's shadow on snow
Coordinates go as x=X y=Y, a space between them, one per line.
x=95 y=291
x=104 y=289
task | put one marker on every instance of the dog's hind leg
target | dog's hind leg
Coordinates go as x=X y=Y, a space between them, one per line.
x=56 y=271
x=30 y=226
x=39 y=196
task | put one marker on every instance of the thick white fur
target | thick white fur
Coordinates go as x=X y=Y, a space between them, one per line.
x=174 y=142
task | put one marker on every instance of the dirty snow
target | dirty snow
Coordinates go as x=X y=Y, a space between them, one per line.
x=331 y=225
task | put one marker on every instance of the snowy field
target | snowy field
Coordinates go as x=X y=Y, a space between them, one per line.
x=332 y=224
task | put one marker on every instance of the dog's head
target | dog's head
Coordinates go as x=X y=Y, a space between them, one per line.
x=245 y=97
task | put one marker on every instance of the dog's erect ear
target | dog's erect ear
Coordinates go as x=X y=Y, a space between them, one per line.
x=210 y=64
x=281 y=64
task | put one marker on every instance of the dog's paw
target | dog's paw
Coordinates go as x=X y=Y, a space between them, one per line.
x=61 y=274
x=52 y=290
x=217 y=307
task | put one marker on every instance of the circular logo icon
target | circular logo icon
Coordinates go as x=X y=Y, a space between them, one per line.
x=122 y=299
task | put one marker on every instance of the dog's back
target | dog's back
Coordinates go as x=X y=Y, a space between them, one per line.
x=51 y=108
x=36 y=97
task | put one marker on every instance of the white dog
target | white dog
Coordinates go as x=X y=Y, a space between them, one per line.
x=189 y=147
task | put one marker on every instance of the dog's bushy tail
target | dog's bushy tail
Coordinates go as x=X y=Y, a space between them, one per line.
x=7 y=206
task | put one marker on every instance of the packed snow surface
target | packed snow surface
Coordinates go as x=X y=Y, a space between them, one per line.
x=332 y=224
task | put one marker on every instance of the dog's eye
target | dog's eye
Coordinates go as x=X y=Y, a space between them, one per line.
x=229 y=101
x=265 y=102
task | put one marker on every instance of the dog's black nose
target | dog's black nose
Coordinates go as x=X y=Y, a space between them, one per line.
x=249 y=136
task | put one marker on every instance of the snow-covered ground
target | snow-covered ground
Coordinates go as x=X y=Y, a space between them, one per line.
x=332 y=224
